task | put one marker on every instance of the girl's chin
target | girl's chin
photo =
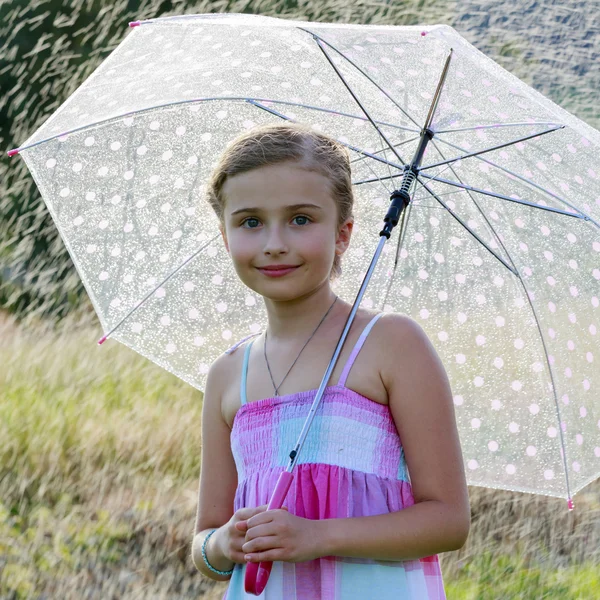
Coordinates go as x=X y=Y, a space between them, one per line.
x=289 y=287
x=287 y=293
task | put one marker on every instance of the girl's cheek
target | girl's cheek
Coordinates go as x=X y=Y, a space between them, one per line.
x=240 y=246
x=242 y=250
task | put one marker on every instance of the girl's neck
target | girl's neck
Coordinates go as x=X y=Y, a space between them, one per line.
x=297 y=319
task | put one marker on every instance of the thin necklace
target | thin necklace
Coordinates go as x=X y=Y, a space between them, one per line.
x=276 y=387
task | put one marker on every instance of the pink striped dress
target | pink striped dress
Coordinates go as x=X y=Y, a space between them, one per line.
x=352 y=465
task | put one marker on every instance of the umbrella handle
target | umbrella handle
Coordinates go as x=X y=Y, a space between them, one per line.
x=257 y=574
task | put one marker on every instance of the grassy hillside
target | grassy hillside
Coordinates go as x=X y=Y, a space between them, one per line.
x=100 y=449
x=99 y=467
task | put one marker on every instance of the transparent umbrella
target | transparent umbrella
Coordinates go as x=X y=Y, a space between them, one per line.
x=496 y=255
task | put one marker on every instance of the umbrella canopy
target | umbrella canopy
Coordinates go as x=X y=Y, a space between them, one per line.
x=497 y=256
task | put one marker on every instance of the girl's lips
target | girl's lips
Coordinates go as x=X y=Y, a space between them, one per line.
x=277 y=272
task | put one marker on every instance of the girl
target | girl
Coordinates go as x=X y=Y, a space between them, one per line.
x=355 y=524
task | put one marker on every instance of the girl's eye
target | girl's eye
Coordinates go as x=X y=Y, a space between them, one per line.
x=306 y=220
x=253 y=222
x=248 y=222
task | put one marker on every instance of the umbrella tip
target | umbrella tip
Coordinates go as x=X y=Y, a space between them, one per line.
x=570 y=504
x=13 y=152
x=424 y=33
x=134 y=23
x=102 y=340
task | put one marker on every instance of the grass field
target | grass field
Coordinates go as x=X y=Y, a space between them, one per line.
x=99 y=465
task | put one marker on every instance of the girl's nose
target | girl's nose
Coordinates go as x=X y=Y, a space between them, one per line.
x=275 y=242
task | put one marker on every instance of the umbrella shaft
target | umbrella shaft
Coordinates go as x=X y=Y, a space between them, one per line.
x=400 y=198
x=294 y=453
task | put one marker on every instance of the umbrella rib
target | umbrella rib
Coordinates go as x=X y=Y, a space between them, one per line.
x=494 y=126
x=384 y=149
x=535 y=316
x=386 y=177
x=364 y=154
x=414 y=167
x=492 y=148
x=390 y=175
x=528 y=181
x=380 y=179
x=464 y=186
x=509 y=267
x=446 y=168
x=343 y=80
x=387 y=189
x=141 y=111
x=500 y=196
x=402 y=229
x=335 y=112
x=320 y=39
x=355 y=148
x=452 y=193
x=138 y=304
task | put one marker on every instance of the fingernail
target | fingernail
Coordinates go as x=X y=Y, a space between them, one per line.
x=247 y=557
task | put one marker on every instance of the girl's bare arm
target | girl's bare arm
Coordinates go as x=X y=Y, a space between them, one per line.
x=421 y=404
x=218 y=476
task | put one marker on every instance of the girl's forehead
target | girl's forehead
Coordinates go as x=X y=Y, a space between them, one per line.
x=272 y=185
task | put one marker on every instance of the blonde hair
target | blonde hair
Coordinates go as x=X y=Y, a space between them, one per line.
x=272 y=144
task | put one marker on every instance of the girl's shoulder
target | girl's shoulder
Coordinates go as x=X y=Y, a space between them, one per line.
x=222 y=366
x=398 y=327
x=390 y=324
x=399 y=337
x=394 y=333
x=240 y=343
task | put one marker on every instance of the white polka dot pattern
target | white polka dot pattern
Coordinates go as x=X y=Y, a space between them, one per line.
x=515 y=323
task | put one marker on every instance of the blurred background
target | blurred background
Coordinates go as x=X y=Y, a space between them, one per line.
x=100 y=449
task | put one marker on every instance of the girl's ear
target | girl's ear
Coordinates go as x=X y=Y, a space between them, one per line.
x=343 y=238
x=224 y=236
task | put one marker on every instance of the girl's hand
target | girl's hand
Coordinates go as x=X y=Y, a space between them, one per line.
x=279 y=535
x=232 y=535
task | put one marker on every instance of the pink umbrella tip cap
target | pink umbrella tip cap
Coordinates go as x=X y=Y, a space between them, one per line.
x=570 y=504
x=134 y=23
x=102 y=340
x=13 y=152
x=423 y=32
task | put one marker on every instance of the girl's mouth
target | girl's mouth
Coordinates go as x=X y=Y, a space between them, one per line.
x=276 y=271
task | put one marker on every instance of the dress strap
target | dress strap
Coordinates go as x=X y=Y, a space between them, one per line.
x=245 y=373
x=238 y=344
x=356 y=349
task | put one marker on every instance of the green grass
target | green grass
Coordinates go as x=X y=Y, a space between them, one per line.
x=99 y=466
x=492 y=576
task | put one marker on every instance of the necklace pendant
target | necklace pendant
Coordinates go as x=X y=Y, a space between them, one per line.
x=276 y=388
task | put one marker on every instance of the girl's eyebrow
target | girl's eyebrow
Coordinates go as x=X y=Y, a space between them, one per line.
x=289 y=208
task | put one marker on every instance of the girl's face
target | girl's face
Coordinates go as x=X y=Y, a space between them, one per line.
x=282 y=215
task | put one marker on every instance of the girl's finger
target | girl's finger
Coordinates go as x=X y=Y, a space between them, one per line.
x=264 y=517
x=265 y=556
x=245 y=513
x=260 y=544
x=265 y=529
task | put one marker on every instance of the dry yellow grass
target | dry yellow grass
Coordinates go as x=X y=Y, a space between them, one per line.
x=99 y=471
x=100 y=449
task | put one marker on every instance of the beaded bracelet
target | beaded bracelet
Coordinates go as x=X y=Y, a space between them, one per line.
x=206 y=558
